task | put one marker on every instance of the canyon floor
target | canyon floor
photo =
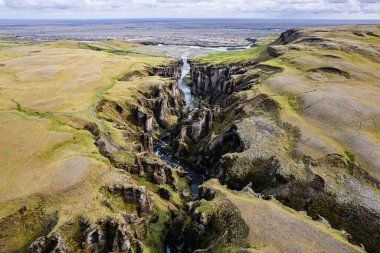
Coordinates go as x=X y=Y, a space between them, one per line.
x=286 y=134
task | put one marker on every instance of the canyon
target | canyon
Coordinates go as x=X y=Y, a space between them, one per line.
x=269 y=149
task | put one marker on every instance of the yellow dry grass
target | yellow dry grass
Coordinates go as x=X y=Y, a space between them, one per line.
x=47 y=92
x=276 y=228
x=335 y=112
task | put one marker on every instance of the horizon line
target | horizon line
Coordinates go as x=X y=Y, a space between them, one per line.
x=197 y=18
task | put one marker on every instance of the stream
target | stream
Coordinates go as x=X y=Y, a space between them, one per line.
x=189 y=98
x=160 y=146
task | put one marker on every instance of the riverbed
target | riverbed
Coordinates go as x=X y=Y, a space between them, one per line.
x=160 y=146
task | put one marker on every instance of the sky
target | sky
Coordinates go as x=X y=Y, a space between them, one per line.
x=103 y=9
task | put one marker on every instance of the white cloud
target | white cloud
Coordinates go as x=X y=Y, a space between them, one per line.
x=196 y=6
x=38 y=4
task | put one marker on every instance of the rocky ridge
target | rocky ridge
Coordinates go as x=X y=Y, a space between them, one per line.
x=238 y=136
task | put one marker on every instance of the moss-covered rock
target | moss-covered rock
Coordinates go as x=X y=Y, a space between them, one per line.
x=212 y=222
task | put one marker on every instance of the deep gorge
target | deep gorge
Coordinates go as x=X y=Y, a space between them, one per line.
x=234 y=135
x=123 y=147
x=266 y=171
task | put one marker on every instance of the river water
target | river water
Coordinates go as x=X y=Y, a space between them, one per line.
x=189 y=98
x=160 y=147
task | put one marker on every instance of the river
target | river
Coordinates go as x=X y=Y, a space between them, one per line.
x=160 y=145
x=189 y=98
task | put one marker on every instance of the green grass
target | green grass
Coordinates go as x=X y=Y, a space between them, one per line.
x=239 y=56
x=117 y=51
x=267 y=39
x=12 y=43
x=232 y=56
x=176 y=198
x=28 y=113
x=156 y=232
x=181 y=183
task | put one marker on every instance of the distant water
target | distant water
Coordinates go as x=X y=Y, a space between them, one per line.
x=192 y=22
x=192 y=32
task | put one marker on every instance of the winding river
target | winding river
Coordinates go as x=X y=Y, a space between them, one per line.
x=160 y=146
x=189 y=98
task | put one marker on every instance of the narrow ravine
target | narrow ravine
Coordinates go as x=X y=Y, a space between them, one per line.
x=160 y=147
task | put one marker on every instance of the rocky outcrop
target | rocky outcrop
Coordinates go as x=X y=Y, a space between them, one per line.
x=124 y=232
x=159 y=106
x=146 y=121
x=206 y=151
x=288 y=37
x=157 y=109
x=225 y=143
x=139 y=118
x=259 y=160
x=35 y=224
x=192 y=136
x=353 y=207
x=155 y=172
x=190 y=130
x=255 y=148
x=172 y=70
x=206 y=193
x=93 y=129
x=206 y=79
x=212 y=225
x=110 y=235
x=137 y=195
x=216 y=82
x=165 y=194
x=53 y=244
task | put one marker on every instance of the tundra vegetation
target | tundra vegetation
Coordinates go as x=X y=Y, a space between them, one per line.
x=286 y=132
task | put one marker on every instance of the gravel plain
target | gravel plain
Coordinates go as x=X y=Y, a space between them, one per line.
x=188 y=32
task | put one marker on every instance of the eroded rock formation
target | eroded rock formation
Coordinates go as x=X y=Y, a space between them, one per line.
x=204 y=228
x=245 y=142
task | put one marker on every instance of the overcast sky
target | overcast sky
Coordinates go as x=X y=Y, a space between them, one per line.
x=292 y=9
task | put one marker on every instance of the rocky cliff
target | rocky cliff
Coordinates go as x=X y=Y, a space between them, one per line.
x=243 y=135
